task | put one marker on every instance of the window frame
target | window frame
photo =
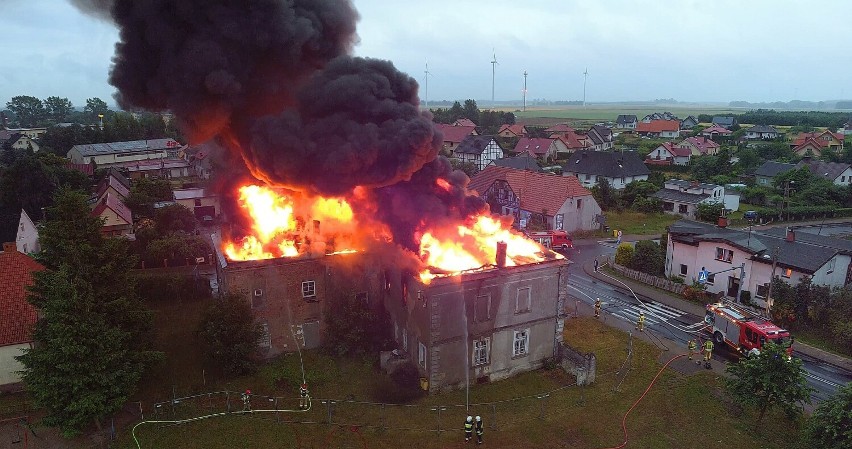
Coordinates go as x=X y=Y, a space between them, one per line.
x=684 y=270
x=787 y=273
x=518 y=309
x=308 y=287
x=476 y=302
x=422 y=354
x=265 y=340
x=482 y=351
x=523 y=349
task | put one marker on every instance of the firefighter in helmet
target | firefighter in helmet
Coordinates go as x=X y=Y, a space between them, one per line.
x=597 y=308
x=479 y=429
x=708 y=352
x=640 y=324
x=468 y=428
x=246 y=397
x=303 y=397
x=692 y=346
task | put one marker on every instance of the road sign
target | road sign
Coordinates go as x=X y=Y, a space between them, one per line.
x=702 y=276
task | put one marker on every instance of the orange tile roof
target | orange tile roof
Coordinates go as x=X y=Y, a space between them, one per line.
x=517 y=130
x=18 y=316
x=537 y=191
x=816 y=137
x=454 y=134
x=658 y=126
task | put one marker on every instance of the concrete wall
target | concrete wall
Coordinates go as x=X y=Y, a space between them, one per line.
x=8 y=365
x=578 y=218
x=26 y=239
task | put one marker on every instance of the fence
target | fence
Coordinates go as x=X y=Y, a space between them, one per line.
x=646 y=278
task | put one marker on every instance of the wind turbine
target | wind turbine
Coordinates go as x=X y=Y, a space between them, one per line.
x=493 y=73
x=525 y=91
x=426 y=86
x=585 y=75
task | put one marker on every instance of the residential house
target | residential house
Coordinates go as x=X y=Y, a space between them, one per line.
x=157 y=169
x=201 y=201
x=559 y=129
x=19 y=316
x=693 y=246
x=117 y=218
x=813 y=143
x=688 y=123
x=659 y=116
x=478 y=150
x=118 y=153
x=199 y=159
x=542 y=200
x=453 y=135
x=847 y=128
x=509 y=131
x=26 y=238
x=766 y=173
x=573 y=142
x=725 y=121
x=666 y=129
x=683 y=197
x=464 y=122
x=18 y=141
x=113 y=183
x=542 y=148
x=523 y=161
x=625 y=121
x=762 y=132
x=700 y=146
x=86 y=169
x=837 y=172
x=715 y=131
x=617 y=168
x=32 y=133
x=669 y=153
x=601 y=137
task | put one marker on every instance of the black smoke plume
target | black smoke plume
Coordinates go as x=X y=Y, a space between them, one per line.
x=98 y=8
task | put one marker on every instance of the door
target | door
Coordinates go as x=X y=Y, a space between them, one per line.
x=733 y=286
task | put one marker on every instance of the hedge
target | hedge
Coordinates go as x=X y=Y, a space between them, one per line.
x=795 y=213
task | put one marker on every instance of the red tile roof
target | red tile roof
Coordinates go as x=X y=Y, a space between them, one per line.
x=537 y=146
x=517 y=130
x=464 y=122
x=716 y=129
x=703 y=144
x=114 y=203
x=18 y=316
x=537 y=191
x=817 y=137
x=86 y=169
x=575 y=141
x=658 y=126
x=454 y=134
x=112 y=181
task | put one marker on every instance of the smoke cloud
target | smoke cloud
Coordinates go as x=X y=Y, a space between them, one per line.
x=97 y=8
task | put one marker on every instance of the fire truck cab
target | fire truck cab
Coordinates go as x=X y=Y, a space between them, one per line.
x=742 y=331
x=552 y=239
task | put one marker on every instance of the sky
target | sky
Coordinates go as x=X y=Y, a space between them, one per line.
x=634 y=50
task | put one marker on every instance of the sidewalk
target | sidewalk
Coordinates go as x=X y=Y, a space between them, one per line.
x=698 y=309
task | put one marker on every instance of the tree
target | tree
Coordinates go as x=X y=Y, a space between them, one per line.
x=469 y=168
x=231 y=335
x=748 y=160
x=29 y=110
x=93 y=335
x=471 y=111
x=648 y=257
x=175 y=217
x=604 y=194
x=769 y=379
x=353 y=327
x=637 y=190
x=94 y=107
x=624 y=254
x=709 y=211
x=830 y=427
x=57 y=109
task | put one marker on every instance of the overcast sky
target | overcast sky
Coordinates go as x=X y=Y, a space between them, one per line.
x=756 y=50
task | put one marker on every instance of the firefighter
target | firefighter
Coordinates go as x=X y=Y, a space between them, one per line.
x=468 y=428
x=708 y=353
x=303 y=397
x=597 y=308
x=693 y=346
x=596 y=264
x=246 y=397
x=640 y=324
x=479 y=429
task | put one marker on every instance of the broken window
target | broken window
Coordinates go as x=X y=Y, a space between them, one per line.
x=480 y=351
x=521 y=343
x=523 y=300
x=482 y=308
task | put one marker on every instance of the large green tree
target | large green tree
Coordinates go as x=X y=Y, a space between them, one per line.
x=830 y=427
x=58 y=109
x=94 y=107
x=769 y=379
x=93 y=335
x=231 y=335
x=29 y=110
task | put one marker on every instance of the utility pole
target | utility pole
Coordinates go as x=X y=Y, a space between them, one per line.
x=525 y=91
x=775 y=254
x=493 y=74
x=426 y=86
x=585 y=75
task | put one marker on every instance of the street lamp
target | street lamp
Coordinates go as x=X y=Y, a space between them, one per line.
x=101 y=118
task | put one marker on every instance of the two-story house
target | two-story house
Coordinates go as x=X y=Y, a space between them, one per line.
x=26 y=237
x=669 y=153
x=509 y=131
x=665 y=129
x=478 y=150
x=762 y=132
x=453 y=135
x=688 y=123
x=601 y=137
x=542 y=148
x=812 y=144
x=725 y=121
x=700 y=146
x=766 y=173
x=683 y=197
x=617 y=168
x=838 y=173
x=19 y=316
x=626 y=121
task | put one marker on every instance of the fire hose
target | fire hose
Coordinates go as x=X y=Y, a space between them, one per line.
x=653 y=381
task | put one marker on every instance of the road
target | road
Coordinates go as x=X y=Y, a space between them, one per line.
x=668 y=322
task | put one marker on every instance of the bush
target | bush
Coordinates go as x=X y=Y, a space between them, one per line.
x=624 y=254
x=647 y=257
x=231 y=335
x=401 y=387
x=174 y=287
x=745 y=297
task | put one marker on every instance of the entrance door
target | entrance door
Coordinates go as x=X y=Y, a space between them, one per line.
x=733 y=286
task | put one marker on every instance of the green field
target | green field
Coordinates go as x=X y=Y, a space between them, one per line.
x=597 y=113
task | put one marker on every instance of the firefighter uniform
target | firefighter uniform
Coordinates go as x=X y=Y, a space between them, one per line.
x=708 y=352
x=640 y=324
x=597 y=308
x=468 y=428
x=303 y=397
x=479 y=430
x=693 y=346
x=246 y=397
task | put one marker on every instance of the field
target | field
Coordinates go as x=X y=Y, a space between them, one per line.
x=611 y=112
x=675 y=414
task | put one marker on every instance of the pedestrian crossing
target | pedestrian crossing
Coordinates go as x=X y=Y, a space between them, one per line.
x=655 y=313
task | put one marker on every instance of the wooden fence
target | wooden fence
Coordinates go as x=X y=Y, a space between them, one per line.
x=646 y=278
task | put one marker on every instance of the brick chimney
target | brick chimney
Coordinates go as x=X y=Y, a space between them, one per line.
x=9 y=247
x=501 y=254
x=791 y=235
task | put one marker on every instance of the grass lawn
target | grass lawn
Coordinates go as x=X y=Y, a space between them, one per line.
x=818 y=341
x=675 y=414
x=631 y=222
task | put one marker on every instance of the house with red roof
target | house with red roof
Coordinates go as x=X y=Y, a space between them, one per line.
x=573 y=142
x=117 y=218
x=560 y=128
x=666 y=129
x=453 y=135
x=715 y=131
x=542 y=148
x=509 y=131
x=537 y=200
x=464 y=122
x=700 y=146
x=669 y=153
x=18 y=316
x=815 y=142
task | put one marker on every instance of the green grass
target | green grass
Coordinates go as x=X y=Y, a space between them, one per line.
x=675 y=414
x=818 y=341
x=631 y=222
x=611 y=112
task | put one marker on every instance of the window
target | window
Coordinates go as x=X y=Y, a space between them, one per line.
x=683 y=209
x=198 y=201
x=668 y=206
x=22 y=227
x=842 y=179
x=258 y=292
x=362 y=297
x=265 y=338
x=762 y=290
x=482 y=308
x=710 y=279
x=522 y=300
x=480 y=351
x=787 y=272
x=559 y=224
x=830 y=266
x=395 y=331
x=683 y=269
x=725 y=255
x=405 y=339
x=521 y=343
x=579 y=203
x=588 y=177
x=257 y=298
x=309 y=290
x=421 y=354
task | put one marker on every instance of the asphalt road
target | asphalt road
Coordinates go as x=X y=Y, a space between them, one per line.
x=668 y=322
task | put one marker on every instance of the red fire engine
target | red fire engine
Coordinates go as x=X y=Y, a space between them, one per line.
x=554 y=239
x=743 y=331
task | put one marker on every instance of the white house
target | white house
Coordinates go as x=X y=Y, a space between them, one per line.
x=668 y=153
x=762 y=132
x=693 y=246
x=19 y=316
x=478 y=150
x=625 y=121
x=837 y=172
x=26 y=240
x=617 y=168
x=683 y=197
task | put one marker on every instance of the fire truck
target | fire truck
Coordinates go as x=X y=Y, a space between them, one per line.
x=742 y=331
x=554 y=239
